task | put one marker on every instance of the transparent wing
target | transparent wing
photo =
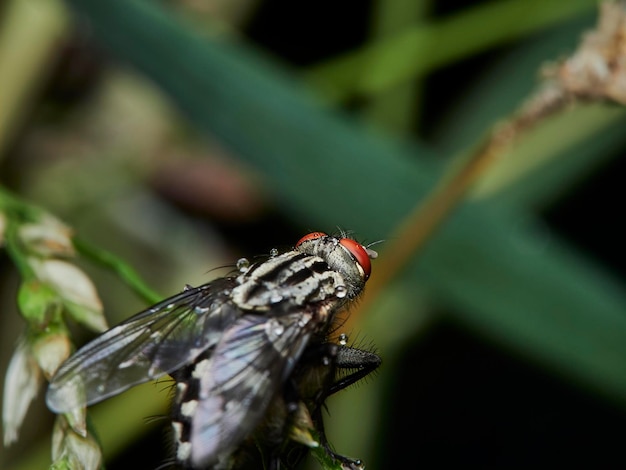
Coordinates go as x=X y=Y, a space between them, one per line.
x=147 y=346
x=247 y=367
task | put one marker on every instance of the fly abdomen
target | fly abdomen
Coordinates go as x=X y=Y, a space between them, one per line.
x=184 y=406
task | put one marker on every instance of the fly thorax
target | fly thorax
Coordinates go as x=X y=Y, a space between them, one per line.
x=293 y=279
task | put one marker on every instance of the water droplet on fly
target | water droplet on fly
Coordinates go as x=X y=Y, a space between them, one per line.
x=325 y=360
x=275 y=298
x=279 y=329
x=343 y=339
x=100 y=388
x=273 y=253
x=243 y=264
x=341 y=291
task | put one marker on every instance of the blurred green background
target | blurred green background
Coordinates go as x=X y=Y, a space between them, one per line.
x=184 y=134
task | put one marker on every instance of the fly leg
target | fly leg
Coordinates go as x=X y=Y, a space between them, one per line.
x=347 y=365
x=352 y=365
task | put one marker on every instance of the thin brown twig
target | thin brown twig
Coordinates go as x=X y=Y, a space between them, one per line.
x=595 y=72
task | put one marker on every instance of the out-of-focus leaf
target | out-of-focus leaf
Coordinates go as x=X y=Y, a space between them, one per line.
x=529 y=290
x=396 y=109
x=3 y=224
x=541 y=298
x=386 y=63
x=29 y=31
x=318 y=160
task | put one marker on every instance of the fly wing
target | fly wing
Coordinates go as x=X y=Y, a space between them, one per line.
x=145 y=347
x=245 y=371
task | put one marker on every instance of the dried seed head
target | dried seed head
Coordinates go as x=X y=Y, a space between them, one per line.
x=21 y=384
x=47 y=237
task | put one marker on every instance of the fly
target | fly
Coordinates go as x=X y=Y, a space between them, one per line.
x=250 y=355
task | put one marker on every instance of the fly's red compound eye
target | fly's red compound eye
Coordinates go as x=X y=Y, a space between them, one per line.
x=360 y=254
x=310 y=236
